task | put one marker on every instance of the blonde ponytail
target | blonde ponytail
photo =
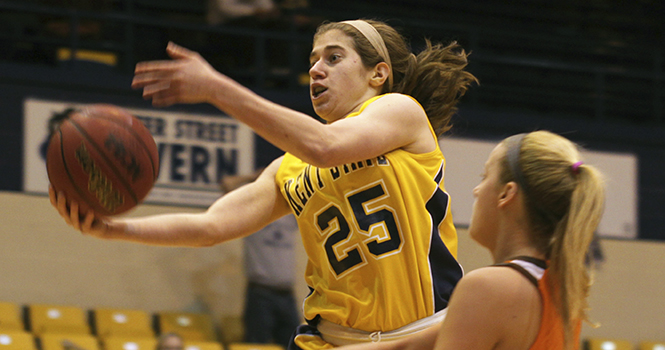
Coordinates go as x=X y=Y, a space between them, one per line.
x=564 y=203
x=570 y=244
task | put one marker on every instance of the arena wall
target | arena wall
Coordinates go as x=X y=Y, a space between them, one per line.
x=42 y=260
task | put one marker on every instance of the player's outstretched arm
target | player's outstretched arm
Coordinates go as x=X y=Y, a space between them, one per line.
x=391 y=123
x=237 y=214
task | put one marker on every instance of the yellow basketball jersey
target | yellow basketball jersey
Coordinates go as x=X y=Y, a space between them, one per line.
x=379 y=235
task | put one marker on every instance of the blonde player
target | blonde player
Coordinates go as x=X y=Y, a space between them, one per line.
x=366 y=187
x=536 y=210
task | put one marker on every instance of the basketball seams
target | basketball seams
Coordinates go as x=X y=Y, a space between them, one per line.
x=108 y=161
x=82 y=194
x=138 y=138
x=113 y=148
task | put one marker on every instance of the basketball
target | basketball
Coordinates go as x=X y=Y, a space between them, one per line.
x=103 y=158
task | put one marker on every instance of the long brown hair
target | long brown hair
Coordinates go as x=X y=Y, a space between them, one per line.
x=564 y=201
x=435 y=77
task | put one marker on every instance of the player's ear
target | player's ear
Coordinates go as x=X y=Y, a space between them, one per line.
x=381 y=73
x=508 y=193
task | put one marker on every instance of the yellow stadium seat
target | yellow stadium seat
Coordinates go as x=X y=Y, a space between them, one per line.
x=652 y=345
x=61 y=319
x=52 y=341
x=17 y=340
x=123 y=323
x=203 y=345
x=190 y=326
x=10 y=317
x=128 y=343
x=608 y=344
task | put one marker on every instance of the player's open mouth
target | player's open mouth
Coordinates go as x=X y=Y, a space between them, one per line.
x=318 y=90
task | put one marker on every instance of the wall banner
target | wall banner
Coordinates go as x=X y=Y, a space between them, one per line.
x=195 y=151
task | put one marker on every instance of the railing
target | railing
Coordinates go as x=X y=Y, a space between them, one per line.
x=121 y=28
x=562 y=76
x=521 y=71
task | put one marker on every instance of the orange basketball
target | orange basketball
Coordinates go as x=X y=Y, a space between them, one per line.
x=104 y=158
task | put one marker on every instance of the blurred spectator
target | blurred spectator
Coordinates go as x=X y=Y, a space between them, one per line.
x=270 y=314
x=241 y=12
x=239 y=51
x=84 y=27
x=298 y=15
x=170 y=341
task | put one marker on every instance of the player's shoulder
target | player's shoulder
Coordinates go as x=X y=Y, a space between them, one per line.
x=395 y=105
x=499 y=299
x=398 y=99
x=498 y=283
x=484 y=277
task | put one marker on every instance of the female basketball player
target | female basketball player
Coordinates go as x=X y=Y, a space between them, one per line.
x=536 y=209
x=366 y=187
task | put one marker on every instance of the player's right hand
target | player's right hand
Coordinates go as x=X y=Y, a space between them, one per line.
x=89 y=224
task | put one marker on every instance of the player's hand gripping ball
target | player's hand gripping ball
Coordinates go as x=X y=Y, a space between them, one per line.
x=104 y=158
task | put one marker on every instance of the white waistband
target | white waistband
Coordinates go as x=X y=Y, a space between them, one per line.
x=339 y=335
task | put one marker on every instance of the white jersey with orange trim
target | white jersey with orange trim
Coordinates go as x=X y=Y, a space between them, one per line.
x=551 y=332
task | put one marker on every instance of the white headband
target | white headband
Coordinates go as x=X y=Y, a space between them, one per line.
x=374 y=38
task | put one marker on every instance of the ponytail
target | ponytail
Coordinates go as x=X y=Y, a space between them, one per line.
x=438 y=81
x=564 y=203
x=569 y=246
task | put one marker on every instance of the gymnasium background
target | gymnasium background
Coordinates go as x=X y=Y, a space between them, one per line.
x=590 y=70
